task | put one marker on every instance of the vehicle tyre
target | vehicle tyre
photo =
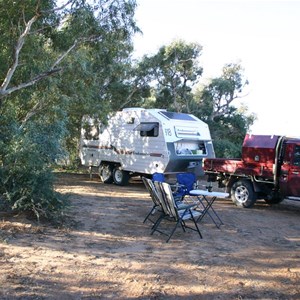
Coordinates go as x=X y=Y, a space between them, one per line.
x=120 y=176
x=106 y=173
x=242 y=194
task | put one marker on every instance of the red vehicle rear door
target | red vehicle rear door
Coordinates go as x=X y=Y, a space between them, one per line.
x=290 y=171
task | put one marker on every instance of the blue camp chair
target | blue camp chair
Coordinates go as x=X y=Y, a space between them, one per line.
x=185 y=182
x=160 y=177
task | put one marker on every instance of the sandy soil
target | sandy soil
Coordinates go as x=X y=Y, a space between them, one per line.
x=106 y=252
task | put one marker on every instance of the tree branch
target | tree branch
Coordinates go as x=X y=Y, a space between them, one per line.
x=58 y=61
x=4 y=90
x=128 y=99
x=30 y=114
x=57 y=8
x=39 y=77
x=19 y=47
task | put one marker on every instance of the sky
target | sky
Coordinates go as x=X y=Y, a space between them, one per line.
x=263 y=35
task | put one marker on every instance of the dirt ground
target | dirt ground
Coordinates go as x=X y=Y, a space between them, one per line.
x=106 y=252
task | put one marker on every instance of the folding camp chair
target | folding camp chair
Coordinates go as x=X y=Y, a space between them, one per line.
x=177 y=189
x=158 y=204
x=172 y=212
x=155 y=195
x=155 y=199
x=185 y=183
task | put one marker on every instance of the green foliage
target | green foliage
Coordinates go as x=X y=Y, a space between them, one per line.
x=215 y=98
x=26 y=180
x=90 y=43
x=174 y=70
x=227 y=149
x=13 y=15
x=214 y=105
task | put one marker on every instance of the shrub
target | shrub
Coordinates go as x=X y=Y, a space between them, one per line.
x=26 y=179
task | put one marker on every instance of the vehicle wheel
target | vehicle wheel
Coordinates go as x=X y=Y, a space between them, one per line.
x=120 y=176
x=106 y=173
x=242 y=194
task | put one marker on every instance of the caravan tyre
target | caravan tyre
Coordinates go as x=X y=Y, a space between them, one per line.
x=120 y=176
x=106 y=173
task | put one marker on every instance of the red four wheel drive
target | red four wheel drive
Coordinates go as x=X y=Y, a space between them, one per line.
x=269 y=169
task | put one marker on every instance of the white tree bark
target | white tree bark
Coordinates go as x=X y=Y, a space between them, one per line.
x=5 y=90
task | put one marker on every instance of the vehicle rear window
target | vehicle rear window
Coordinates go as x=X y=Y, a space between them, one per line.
x=297 y=155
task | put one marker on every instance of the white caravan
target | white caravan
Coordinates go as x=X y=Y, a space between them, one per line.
x=138 y=141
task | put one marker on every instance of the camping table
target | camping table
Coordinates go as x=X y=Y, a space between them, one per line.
x=207 y=199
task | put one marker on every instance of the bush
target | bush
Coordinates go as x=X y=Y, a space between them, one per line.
x=26 y=179
x=225 y=148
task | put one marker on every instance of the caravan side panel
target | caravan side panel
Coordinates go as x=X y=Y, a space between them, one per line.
x=122 y=143
x=137 y=153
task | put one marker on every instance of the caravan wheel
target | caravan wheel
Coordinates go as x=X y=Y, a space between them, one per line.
x=106 y=173
x=120 y=176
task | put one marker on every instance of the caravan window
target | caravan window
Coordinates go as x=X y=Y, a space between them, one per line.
x=148 y=129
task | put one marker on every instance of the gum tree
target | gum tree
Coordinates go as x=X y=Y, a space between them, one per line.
x=172 y=72
x=56 y=63
x=214 y=104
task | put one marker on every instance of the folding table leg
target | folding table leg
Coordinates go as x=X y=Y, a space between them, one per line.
x=215 y=213
x=208 y=207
